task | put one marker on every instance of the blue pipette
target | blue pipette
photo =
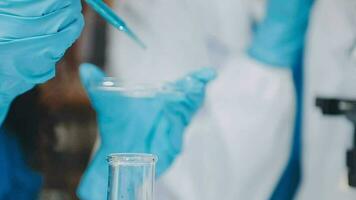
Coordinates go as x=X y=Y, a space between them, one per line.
x=105 y=11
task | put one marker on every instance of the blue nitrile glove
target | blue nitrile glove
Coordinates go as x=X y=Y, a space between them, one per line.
x=34 y=35
x=279 y=38
x=140 y=125
x=17 y=181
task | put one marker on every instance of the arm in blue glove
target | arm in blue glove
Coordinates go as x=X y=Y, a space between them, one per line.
x=279 y=38
x=17 y=181
x=34 y=36
x=150 y=125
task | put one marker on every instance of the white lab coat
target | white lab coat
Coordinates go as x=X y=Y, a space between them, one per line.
x=238 y=144
x=330 y=71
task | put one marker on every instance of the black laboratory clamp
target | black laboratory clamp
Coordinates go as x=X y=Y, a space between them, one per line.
x=347 y=108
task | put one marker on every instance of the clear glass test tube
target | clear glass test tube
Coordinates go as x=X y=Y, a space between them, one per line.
x=131 y=176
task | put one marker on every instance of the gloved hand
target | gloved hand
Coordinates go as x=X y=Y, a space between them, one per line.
x=279 y=38
x=149 y=125
x=34 y=36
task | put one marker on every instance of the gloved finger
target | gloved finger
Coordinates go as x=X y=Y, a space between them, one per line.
x=204 y=75
x=93 y=184
x=91 y=76
x=160 y=145
x=182 y=110
x=193 y=86
x=196 y=81
x=115 y=109
x=32 y=8
x=107 y=103
x=192 y=83
x=175 y=133
x=39 y=25
x=38 y=55
x=193 y=89
x=156 y=137
x=90 y=73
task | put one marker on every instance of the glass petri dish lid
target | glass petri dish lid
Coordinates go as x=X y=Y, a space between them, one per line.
x=135 y=89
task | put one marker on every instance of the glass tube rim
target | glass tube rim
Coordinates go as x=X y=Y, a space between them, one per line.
x=131 y=159
x=134 y=89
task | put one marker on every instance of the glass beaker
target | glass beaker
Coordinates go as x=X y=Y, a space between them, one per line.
x=131 y=176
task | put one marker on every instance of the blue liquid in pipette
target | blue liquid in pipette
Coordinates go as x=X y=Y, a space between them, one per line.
x=105 y=11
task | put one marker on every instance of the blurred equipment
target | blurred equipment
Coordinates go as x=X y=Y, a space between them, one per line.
x=154 y=123
x=131 y=176
x=106 y=12
x=348 y=109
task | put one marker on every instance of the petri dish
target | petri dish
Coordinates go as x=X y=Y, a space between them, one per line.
x=138 y=90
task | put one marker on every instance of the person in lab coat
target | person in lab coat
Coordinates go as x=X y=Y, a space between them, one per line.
x=330 y=72
x=238 y=145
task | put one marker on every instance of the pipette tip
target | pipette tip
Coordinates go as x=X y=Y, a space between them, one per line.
x=133 y=36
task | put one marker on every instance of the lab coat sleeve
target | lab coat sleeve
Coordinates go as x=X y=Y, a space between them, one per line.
x=254 y=108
